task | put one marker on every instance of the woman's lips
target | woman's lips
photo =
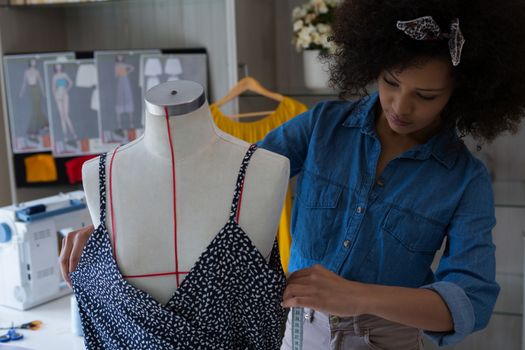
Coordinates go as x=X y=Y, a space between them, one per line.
x=396 y=120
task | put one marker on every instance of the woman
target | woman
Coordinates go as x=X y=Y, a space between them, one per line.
x=384 y=180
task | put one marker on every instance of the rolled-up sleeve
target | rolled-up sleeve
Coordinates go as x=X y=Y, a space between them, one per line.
x=465 y=277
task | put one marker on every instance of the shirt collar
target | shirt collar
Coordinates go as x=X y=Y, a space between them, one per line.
x=362 y=115
x=444 y=146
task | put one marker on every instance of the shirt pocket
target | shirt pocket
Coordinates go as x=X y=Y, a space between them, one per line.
x=318 y=217
x=414 y=232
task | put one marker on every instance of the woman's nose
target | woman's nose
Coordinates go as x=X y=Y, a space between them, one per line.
x=402 y=106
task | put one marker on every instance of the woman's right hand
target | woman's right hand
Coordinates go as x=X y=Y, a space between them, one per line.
x=72 y=247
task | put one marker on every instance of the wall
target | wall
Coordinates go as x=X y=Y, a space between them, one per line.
x=118 y=25
x=506 y=155
x=5 y=186
x=22 y=31
x=154 y=24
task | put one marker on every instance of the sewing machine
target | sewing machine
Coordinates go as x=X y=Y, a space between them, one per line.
x=31 y=236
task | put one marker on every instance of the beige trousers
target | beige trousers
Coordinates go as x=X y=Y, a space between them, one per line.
x=364 y=332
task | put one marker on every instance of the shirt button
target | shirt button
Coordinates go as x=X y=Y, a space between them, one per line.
x=380 y=183
x=309 y=315
x=346 y=243
x=359 y=210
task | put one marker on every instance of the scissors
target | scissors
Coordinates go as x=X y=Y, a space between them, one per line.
x=11 y=335
x=33 y=325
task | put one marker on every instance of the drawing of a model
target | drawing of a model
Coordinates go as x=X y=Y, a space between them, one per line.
x=61 y=85
x=38 y=124
x=124 y=96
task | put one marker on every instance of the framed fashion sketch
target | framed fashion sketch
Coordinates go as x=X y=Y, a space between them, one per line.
x=187 y=64
x=26 y=100
x=72 y=103
x=120 y=94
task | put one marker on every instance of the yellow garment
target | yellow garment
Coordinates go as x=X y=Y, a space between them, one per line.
x=256 y=131
x=40 y=168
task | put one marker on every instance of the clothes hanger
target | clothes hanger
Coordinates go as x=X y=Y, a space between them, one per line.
x=249 y=84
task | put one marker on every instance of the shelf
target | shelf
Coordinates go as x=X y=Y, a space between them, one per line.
x=509 y=194
x=298 y=93
x=309 y=92
x=60 y=3
x=303 y=91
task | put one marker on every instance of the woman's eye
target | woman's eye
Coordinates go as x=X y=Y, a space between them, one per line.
x=394 y=84
x=427 y=98
x=391 y=83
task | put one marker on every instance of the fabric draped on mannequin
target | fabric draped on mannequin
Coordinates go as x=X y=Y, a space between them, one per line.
x=230 y=299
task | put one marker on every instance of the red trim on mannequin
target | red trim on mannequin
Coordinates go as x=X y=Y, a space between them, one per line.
x=174 y=185
x=113 y=229
x=240 y=201
x=157 y=274
x=112 y=213
x=111 y=203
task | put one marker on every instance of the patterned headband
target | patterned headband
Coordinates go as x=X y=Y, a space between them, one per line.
x=425 y=28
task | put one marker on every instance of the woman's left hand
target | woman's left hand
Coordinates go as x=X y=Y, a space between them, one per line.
x=322 y=290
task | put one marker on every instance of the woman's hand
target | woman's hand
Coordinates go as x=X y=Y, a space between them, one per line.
x=72 y=247
x=322 y=290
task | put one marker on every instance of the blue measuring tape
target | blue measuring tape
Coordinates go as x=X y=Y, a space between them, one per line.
x=297 y=327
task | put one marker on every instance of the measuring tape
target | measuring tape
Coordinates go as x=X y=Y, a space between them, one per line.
x=297 y=328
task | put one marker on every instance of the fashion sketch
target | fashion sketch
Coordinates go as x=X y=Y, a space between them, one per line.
x=32 y=83
x=124 y=96
x=61 y=84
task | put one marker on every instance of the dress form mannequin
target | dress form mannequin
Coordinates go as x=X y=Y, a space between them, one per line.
x=207 y=162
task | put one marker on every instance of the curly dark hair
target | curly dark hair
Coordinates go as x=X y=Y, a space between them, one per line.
x=489 y=97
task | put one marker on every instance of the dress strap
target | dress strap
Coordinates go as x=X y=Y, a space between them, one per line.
x=102 y=187
x=237 y=196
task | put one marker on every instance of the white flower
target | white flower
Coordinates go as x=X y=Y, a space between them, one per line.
x=298 y=25
x=316 y=38
x=304 y=37
x=319 y=5
x=304 y=33
x=308 y=29
x=332 y=47
x=298 y=13
x=295 y=13
x=309 y=18
x=305 y=45
x=323 y=40
x=302 y=43
x=323 y=28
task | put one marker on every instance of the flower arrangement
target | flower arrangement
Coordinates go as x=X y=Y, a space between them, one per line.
x=312 y=25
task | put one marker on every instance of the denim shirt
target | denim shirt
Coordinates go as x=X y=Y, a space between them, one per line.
x=388 y=231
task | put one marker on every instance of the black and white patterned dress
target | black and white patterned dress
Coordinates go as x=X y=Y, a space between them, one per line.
x=229 y=300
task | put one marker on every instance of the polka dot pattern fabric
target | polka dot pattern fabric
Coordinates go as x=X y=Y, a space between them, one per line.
x=229 y=300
